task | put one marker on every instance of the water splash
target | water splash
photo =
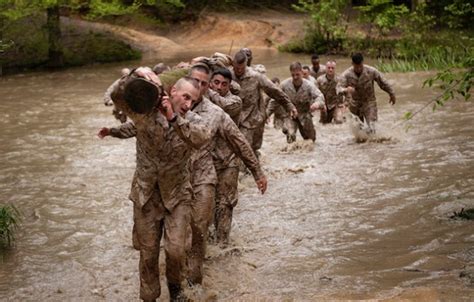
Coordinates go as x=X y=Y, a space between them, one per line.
x=364 y=132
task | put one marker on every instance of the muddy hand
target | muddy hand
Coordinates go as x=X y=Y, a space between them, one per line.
x=294 y=113
x=103 y=132
x=393 y=99
x=148 y=74
x=166 y=108
x=262 y=184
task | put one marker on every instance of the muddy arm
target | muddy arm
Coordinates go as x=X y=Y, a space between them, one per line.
x=232 y=104
x=192 y=130
x=273 y=91
x=124 y=131
x=239 y=145
x=383 y=83
x=317 y=96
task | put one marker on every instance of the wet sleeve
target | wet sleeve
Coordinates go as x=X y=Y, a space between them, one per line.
x=316 y=96
x=126 y=130
x=192 y=130
x=271 y=105
x=231 y=104
x=273 y=91
x=234 y=87
x=383 y=83
x=239 y=145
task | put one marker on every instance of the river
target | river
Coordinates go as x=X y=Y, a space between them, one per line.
x=340 y=220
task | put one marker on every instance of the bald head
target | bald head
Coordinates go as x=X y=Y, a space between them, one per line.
x=183 y=93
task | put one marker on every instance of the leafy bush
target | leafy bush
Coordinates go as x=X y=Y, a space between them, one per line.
x=382 y=14
x=326 y=26
x=451 y=13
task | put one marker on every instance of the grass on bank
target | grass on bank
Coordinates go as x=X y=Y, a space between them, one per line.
x=437 y=50
x=9 y=220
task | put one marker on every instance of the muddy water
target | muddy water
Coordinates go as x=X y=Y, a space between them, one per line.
x=340 y=220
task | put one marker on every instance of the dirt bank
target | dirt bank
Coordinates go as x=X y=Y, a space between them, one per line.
x=212 y=31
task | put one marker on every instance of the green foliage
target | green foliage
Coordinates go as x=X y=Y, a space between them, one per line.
x=451 y=13
x=9 y=220
x=383 y=14
x=418 y=23
x=453 y=83
x=99 y=8
x=325 y=17
x=97 y=48
x=459 y=11
x=28 y=45
x=439 y=51
x=30 y=49
x=326 y=28
x=372 y=47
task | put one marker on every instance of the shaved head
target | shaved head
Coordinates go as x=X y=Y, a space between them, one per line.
x=240 y=57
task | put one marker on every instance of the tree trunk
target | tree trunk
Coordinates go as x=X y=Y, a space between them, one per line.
x=2 y=23
x=55 y=53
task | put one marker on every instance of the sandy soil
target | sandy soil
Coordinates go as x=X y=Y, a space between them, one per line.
x=262 y=29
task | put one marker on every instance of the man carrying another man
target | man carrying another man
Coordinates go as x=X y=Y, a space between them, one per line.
x=161 y=190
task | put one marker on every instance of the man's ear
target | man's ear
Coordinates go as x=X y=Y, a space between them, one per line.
x=173 y=89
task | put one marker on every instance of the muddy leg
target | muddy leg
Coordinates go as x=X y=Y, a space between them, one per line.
x=226 y=200
x=201 y=217
x=175 y=229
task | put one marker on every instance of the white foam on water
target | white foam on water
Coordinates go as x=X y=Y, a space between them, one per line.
x=362 y=132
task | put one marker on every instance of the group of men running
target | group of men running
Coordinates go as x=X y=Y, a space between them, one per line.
x=193 y=133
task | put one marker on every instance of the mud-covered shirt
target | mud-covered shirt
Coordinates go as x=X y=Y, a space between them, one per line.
x=163 y=150
x=223 y=132
x=252 y=84
x=328 y=88
x=303 y=97
x=230 y=103
x=363 y=84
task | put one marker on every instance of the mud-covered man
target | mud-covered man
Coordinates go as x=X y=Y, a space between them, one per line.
x=334 y=102
x=307 y=98
x=166 y=133
x=224 y=132
x=357 y=82
x=253 y=116
x=226 y=162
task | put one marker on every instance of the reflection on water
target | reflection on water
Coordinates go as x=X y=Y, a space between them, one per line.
x=340 y=220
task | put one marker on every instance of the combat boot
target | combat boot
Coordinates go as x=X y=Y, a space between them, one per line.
x=290 y=138
x=176 y=293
